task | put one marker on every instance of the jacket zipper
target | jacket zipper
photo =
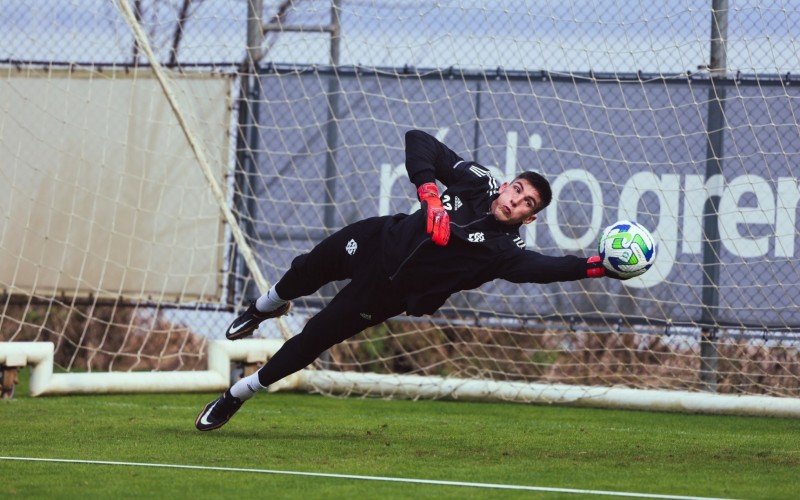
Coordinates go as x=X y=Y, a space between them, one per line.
x=392 y=277
x=400 y=267
x=470 y=223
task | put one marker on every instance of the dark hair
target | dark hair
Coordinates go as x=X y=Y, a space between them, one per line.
x=541 y=186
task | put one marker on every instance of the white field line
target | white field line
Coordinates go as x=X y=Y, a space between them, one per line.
x=366 y=478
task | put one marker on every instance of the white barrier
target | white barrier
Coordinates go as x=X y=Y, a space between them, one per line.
x=221 y=353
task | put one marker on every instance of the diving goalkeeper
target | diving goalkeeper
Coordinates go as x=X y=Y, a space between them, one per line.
x=411 y=264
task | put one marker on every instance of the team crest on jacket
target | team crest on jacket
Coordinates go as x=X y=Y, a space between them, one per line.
x=351 y=247
x=476 y=237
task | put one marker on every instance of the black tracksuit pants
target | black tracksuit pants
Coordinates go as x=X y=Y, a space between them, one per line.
x=369 y=298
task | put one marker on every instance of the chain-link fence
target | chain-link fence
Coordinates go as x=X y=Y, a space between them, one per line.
x=608 y=36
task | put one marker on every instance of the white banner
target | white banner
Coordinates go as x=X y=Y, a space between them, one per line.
x=101 y=194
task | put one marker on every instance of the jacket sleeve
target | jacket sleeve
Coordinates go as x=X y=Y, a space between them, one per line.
x=526 y=266
x=428 y=160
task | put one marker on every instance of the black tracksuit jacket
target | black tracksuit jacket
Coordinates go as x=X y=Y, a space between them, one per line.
x=480 y=249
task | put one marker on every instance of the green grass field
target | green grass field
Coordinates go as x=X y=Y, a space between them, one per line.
x=512 y=444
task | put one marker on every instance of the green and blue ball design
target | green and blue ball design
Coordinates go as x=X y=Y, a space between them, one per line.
x=627 y=248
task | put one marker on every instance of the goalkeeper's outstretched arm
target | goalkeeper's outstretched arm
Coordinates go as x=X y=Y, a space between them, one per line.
x=527 y=266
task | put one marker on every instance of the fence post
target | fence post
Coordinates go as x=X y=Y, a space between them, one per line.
x=332 y=128
x=331 y=143
x=711 y=243
x=247 y=139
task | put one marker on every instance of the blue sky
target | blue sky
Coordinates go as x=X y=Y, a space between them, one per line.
x=556 y=35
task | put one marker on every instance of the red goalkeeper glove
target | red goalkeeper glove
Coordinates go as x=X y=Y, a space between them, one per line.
x=438 y=225
x=596 y=269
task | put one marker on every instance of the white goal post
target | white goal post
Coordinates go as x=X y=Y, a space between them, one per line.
x=43 y=382
x=153 y=182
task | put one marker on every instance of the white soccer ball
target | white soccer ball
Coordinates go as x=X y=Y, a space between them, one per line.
x=627 y=249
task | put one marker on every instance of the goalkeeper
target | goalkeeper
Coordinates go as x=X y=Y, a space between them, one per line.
x=458 y=240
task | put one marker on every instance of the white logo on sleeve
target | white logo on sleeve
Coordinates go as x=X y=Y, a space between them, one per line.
x=457 y=203
x=476 y=237
x=351 y=247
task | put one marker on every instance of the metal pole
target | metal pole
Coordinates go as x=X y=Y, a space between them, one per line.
x=255 y=33
x=332 y=127
x=711 y=243
x=331 y=143
x=255 y=42
x=247 y=135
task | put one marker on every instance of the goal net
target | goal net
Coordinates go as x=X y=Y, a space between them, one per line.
x=163 y=163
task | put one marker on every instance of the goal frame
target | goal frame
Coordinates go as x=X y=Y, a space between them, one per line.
x=44 y=382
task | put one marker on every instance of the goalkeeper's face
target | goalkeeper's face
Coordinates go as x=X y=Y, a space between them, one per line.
x=516 y=203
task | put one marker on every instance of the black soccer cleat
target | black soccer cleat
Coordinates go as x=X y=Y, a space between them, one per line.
x=247 y=322
x=218 y=412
